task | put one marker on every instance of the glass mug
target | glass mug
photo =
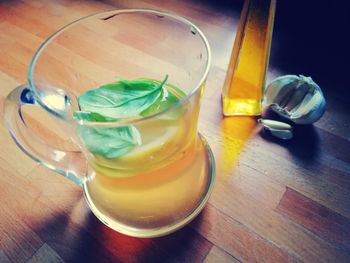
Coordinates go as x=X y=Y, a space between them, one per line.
x=159 y=184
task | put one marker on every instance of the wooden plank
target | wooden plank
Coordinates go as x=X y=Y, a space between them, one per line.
x=237 y=239
x=62 y=220
x=290 y=167
x=7 y=85
x=108 y=60
x=183 y=246
x=18 y=241
x=289 y=164
x=12 y=65
x=317 y=218
x=218 y=255
x=10 y=154
x=252 y=202
x=336 y=119
x=253 y=171
x=25 y=21
x=3 y=257
x=56 y=57
x=68 y=9
x=217 y=33
x=71 y=242
x=45 y=254
x=49 y=222
x=237 y=148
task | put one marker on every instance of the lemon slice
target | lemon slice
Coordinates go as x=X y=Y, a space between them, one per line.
x=156 y=141
x=160 y=139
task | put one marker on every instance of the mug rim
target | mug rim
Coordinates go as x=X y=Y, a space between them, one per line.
x=129 y=120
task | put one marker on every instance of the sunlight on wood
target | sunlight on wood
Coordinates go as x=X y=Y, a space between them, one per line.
x=235 y=132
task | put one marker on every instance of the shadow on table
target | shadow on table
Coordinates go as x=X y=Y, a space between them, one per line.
x=304 y=147
x=94 y=242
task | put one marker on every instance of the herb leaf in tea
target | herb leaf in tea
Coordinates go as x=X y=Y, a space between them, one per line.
x=92 y=116
x=122 y=99
x=166 y=100
x=109 y=142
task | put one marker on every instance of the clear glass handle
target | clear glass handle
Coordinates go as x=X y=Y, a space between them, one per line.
x=70 y=164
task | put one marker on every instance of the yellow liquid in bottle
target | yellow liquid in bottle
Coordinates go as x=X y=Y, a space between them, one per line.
x=245 y=81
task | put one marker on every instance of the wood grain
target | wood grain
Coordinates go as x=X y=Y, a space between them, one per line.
x=317 y=218
x=46 y=253
x=274 y=201
x=3 y=257
x=218 y=255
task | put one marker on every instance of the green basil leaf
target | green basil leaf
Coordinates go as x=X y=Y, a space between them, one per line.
x=122 y=99
x=92 y=116
x=166 y=100
x=110 y=142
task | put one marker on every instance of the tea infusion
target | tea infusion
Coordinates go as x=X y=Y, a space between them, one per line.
x=145 y=177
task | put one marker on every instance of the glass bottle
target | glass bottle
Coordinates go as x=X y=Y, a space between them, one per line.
x=245 y=80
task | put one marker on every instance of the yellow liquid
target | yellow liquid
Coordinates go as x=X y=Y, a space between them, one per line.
x=156 y=187
x=245 y=81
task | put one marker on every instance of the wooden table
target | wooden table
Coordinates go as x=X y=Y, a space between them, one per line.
x=273 y=201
